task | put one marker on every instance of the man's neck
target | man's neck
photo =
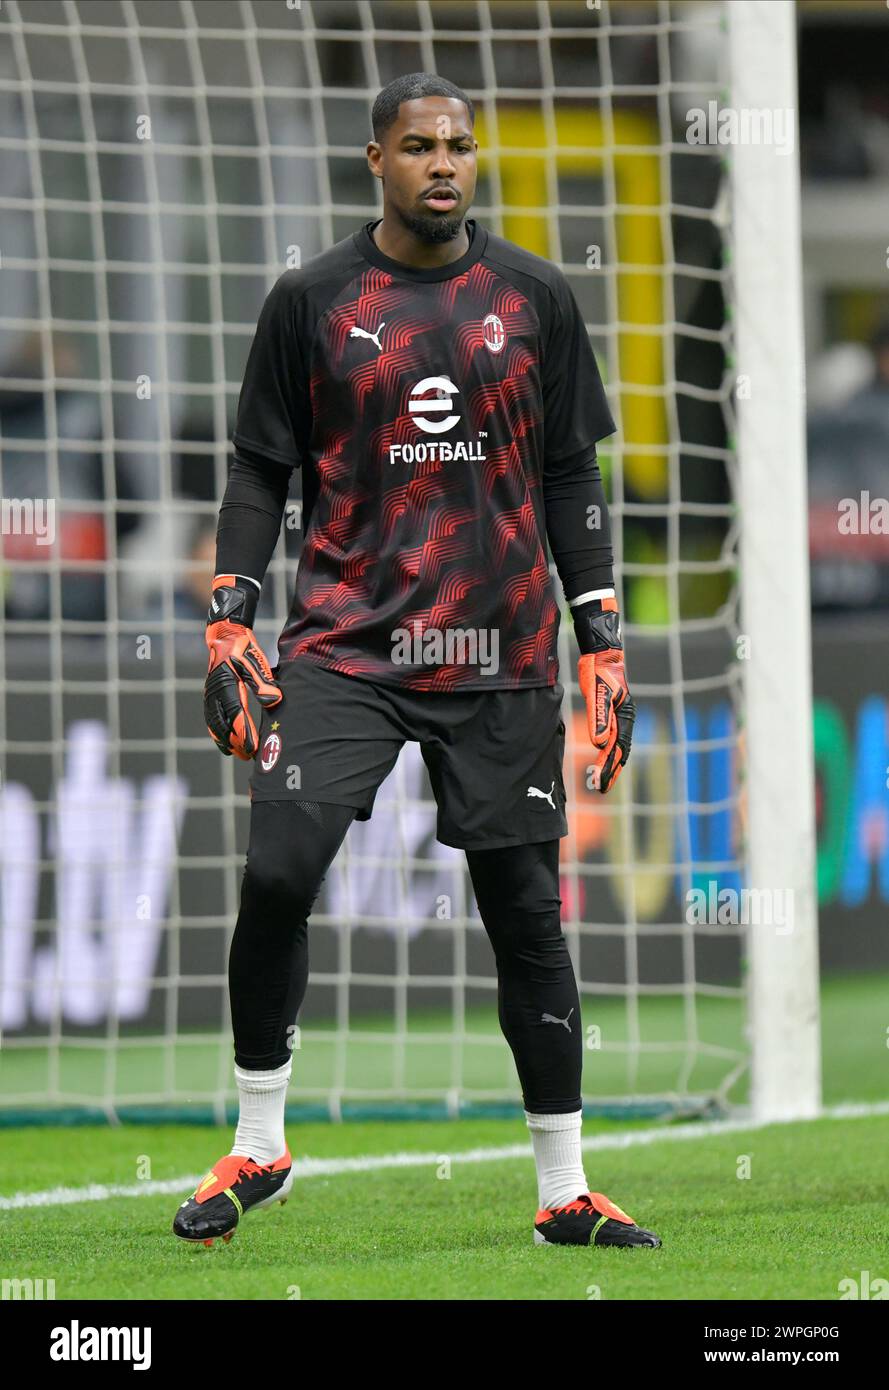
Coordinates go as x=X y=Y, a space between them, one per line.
x=401 y=244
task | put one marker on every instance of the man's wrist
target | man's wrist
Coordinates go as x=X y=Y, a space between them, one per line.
x=596 y=622
x=234 y=599
x=590 y=597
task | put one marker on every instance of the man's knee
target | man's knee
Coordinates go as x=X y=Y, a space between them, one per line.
x=518 y=896
x=289 y=854
x=273 y=882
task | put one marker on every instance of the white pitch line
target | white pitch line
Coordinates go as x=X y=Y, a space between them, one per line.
x=336 y=1167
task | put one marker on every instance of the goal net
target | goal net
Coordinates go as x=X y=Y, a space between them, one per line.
x=161 y=162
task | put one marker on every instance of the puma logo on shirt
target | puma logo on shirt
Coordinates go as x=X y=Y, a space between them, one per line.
x=357 y=332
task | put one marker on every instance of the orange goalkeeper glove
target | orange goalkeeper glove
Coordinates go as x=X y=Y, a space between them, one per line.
x=611 y=712
x=236 y=662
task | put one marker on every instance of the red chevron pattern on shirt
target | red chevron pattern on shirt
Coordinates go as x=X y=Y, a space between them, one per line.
x=418 y=400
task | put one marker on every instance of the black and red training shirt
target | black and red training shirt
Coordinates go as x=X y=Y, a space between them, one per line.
x=427 y=409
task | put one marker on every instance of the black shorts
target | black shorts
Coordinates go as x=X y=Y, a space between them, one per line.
x=494 y=757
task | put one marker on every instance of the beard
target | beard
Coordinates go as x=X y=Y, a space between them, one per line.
x=434 y=227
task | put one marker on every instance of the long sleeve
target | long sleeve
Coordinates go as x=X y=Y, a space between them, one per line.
x=576 y=416
x=274 y=408
x=270 y=438
x=250 y=516
x=578 y=528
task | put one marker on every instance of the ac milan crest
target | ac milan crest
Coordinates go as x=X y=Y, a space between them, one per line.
x=495 y=333
x=270 y=752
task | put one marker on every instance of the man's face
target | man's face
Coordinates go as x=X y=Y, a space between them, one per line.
x=427 y=161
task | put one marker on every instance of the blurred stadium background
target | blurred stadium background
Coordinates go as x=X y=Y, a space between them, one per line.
x=161 y=162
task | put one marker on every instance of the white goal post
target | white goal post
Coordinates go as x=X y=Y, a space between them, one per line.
x=775 y=610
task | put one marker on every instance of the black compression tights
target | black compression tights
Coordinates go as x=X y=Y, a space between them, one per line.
x=292 y=845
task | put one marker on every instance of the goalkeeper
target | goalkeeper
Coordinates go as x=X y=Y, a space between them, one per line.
x=437 y=387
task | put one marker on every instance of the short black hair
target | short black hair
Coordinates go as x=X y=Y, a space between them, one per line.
x=409 y=88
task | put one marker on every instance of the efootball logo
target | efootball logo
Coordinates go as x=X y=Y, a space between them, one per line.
x=431 y=408
x=430 y=399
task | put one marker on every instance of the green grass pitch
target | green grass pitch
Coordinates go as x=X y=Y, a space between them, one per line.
x=811 y=1213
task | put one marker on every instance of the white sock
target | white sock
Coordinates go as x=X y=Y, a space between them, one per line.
x=556 y=1141
x=260 y=1132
